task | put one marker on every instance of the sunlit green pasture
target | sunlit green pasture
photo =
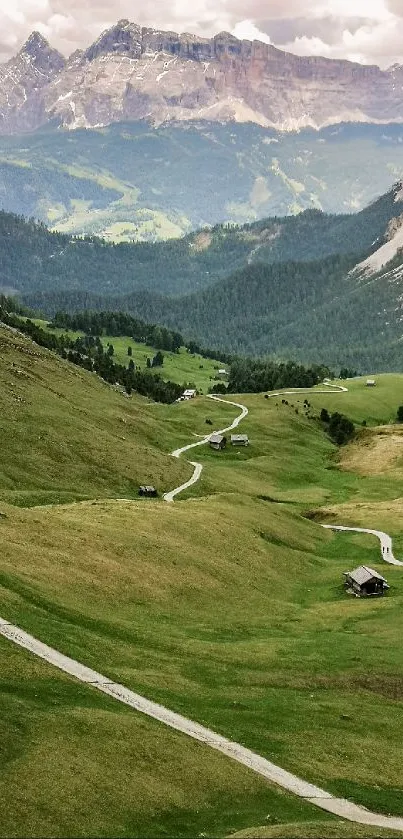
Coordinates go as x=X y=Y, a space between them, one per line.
x=227 y=606
x=183 y=367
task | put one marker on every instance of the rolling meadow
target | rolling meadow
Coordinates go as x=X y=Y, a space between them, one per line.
x=227 y=606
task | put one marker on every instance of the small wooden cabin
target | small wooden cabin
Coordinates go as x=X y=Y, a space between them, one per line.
x=148 y=492
x=364 y=582
x=239 y=440
x=217 y=441
x=370 y=383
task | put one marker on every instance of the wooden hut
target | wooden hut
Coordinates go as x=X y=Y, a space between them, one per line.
x=364 y=582
x=217 y=441
x=239 y=440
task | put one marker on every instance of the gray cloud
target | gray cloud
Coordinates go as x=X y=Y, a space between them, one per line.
x=337 y=28
x=329 y=29
x=396 y=7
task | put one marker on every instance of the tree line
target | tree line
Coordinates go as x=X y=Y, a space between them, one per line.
x=119 y=324
x=88 y=352
x=249 y=375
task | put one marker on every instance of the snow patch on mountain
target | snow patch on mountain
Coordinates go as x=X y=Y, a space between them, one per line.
x=386 y=252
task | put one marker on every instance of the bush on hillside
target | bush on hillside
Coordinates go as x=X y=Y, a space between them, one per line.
x=341 y=429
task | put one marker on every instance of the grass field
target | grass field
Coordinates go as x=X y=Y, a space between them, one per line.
x=183 y=367
x=227 y=606
x=67 y=435
x=74 y=763
x=316 y=830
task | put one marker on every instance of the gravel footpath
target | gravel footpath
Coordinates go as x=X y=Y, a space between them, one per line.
x=385 y=540
x=275 y=774
x=197 y=467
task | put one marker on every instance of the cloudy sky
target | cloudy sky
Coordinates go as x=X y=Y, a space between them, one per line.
x=368 y=31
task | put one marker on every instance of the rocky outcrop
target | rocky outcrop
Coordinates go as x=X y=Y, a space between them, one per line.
x=22 y=83
x=133 y=73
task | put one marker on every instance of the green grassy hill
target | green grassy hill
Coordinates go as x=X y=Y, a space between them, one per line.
x=182 y=367
x=227 y=606
x=67 y=435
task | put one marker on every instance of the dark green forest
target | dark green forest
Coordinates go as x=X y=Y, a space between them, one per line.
x=87 y=351
x=35 y=260
x=310 y=312
x=119 y=323
x=293 y=293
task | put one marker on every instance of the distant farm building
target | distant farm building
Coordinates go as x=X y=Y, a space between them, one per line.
x=223 y=372
x=364 y=582
x=148 y=492
x=217 y=441
x=239 y=440
x=190 y=393
x=370 y=383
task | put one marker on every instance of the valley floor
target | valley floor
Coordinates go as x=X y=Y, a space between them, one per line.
x=227 y=607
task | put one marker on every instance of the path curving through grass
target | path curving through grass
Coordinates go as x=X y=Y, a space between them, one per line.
x=197 y=467
x=384 y=538
x=273 y=773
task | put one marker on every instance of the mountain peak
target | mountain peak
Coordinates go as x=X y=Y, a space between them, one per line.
x=39 y=51
x=124 y=38
x=34 y=43
x=132 y=72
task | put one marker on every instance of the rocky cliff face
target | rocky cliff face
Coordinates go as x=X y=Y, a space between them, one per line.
x=133 y=73
x=23 y=81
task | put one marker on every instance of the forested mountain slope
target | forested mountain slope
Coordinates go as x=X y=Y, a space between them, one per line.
x=34 y=260
x=289 y=287
x=315 y=311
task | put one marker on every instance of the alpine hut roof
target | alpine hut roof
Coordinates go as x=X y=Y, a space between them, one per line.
x=363 y=574
x=216 y=438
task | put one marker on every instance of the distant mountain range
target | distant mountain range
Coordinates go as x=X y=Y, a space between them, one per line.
x=135 y=182
x=136 y=73
x=311 y=287
x=147 y=135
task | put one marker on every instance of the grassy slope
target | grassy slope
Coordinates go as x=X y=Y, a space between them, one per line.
x=74 y=763
x=179 y=367
x=229 y=607
x=182 y=367
x=336 y=830
x=67 y=435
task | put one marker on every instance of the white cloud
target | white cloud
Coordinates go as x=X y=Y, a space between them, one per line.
x=377 y=43
x=247 y=30
x=69 y=24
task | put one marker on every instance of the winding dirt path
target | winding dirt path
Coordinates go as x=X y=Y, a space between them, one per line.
x=197 y=467
x=275 y=774
x=258 y=764
x=385 y=540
